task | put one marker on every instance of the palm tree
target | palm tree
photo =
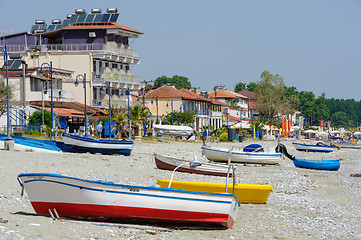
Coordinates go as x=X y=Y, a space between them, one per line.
x=119 y=117
x=138 y=114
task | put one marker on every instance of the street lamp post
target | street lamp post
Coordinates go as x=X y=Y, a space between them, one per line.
x=127 y=92
x=110 y=110
x=171 y=107
x=156 y=101
x=4 y=49
x=83 y=77
x=50 y=67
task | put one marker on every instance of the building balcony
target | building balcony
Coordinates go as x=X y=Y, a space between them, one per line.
x=126 y=52
x=58 y=95
x=117 y=80
x=216 y=114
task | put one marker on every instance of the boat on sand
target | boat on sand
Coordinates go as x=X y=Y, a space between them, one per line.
x=97 y=200
x=185 y=165
x=245 y=193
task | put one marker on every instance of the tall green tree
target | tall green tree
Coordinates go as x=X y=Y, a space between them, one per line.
x=271 y=98
x=240 y=87
x=138 y=115
x=3 y=95
x=177 y=81
x=339 y=119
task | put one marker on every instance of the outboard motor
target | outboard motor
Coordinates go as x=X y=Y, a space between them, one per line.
x=282 y=149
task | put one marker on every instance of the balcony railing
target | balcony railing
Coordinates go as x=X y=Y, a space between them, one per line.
x=115 y=78
x=58 y=95
x=124 y=51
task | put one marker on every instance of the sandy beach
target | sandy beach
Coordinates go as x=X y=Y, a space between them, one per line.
x=305 y=204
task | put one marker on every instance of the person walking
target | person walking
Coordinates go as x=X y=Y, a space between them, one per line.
x=99 y=129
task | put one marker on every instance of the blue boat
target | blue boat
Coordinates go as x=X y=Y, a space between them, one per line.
x=76 y=143
x=330 y=165
x=32 y=144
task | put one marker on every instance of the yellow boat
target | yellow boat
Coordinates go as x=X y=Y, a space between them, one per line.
x=245 y=193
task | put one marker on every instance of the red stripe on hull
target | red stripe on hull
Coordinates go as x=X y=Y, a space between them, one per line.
x=162 y=165
x=120 y=213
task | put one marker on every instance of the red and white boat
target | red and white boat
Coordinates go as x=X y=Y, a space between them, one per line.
x=97 y=200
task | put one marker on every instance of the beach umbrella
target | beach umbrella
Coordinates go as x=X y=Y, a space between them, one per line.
x=357 y=133
x=335 y=132
x=322 y=133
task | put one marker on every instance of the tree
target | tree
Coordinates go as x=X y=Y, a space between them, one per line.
x=3 y=95
x=240 y=87
x=252 y=86
x=271 y=97
x=120 y=117
x=179 y=118
x=322 y=112
x=177 y=81
x=36 y=118
x=138 y=114
x=339 y=119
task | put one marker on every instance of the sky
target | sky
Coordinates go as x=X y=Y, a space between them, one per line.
x=315 y=45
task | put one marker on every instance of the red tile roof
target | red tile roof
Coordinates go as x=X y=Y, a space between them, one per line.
x=226 y=94
x=249 y=94
x=252 y=105
x=164 y=92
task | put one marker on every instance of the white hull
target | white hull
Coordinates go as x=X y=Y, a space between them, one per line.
x=173 y=130
x=222 y=155
x=78 y=198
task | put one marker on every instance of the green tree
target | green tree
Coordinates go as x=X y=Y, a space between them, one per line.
x=271 y=98
x=322 y=112
x=252 y=86
x=178 y=118
x=138 y=115
x=36 y=118
x=3 y=95
x=240 y=87
x=339 y=119
x=177 y=81
x=120 y=118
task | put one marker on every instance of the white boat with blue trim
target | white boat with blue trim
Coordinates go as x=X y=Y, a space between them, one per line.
x=76 y=143
x=97 y=200
x=240 y=156
x=319 y=147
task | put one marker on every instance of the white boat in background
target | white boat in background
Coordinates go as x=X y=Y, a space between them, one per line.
x=319 y=147
x=97 y=200
x=239 y=156
x=76 y=143
x=173 y=130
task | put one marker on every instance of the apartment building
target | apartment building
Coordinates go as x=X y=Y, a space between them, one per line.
x=92 y=44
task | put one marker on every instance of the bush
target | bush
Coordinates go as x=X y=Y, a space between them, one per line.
x=223 y=137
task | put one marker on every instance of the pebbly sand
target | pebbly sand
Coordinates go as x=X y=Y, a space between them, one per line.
x=305 y=204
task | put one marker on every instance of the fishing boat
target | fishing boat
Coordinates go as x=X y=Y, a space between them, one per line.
x=31 y=144
x=245 y=193
x=240 y=156
x=97 y=200
x=185 y=165
x=330 y=165
x=319 y=147
x=76 y=143
x=173 y=130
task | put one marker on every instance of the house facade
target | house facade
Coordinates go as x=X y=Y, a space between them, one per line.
x=92 y=44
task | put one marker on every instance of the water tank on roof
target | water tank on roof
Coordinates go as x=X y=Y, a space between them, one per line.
x=96 y=10
x=68 y=16
x=80 y=11
x=112 y=10
x=56 y=21
x=39 y=22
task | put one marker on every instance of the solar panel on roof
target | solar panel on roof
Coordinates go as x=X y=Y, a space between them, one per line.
x=73 y=18
x=42 y=27
x=81 y=18
x=105 y=18
x=65 y=23
x=114 y=17
x=98 y=18
x=89 y=18
x=57 y=27
x=51 y=28
x=16 y=64
x=34 y=27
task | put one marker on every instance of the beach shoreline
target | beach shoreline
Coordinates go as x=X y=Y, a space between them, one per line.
x=305 y=204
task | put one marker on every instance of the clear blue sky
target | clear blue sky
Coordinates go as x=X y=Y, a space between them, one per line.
x=314 y=44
